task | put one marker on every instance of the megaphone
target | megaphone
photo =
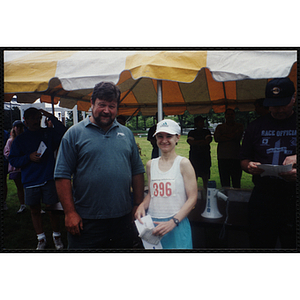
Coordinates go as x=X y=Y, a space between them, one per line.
x=211 y=210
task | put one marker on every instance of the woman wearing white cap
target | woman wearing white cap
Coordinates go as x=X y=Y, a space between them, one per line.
x=172 y=190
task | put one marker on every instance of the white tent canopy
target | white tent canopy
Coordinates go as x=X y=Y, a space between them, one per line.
x=196 y=81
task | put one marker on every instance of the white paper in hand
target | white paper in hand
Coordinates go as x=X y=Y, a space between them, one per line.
x=145 y=231
x=274 y=170
x=42 y=148
x=147 y=236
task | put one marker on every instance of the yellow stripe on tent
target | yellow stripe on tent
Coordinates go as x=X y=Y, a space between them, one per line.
x=167 y=65
x=32 y=76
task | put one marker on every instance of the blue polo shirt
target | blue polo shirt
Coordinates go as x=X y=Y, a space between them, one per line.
x=102 y=165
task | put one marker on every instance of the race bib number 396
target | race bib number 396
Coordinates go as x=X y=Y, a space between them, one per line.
x=163 y=188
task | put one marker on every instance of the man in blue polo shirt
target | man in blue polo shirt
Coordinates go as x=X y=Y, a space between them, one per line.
x=102 y=158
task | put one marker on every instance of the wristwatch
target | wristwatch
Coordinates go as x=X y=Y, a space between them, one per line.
x=176 y=221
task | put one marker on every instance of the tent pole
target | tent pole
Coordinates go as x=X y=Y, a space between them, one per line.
x=159 y=105
x=225 y=96
x=159 y=101
x=75 y=115
x=52 y=102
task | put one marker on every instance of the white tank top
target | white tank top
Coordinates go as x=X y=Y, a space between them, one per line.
x=167 y=190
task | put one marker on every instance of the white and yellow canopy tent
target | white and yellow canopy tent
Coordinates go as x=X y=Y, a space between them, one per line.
x=200 y=80
x=64 y=77
x=150 y=81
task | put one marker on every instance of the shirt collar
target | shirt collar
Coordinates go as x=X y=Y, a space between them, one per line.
x=88 y=122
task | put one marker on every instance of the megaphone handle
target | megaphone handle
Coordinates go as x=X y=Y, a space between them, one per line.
x=222 y=196
x=223 y=230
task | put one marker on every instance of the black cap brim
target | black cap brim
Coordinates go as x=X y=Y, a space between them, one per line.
x=277 y=101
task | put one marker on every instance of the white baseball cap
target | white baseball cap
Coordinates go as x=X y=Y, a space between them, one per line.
x=168 y=126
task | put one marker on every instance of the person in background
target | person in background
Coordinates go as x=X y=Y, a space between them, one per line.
x=260 y=109
x=121 y=119
x=152 y=139
x=14 y=173
x=37 y=169
x=199 y=155
x=102 y=158
x=228 y=136
x=272 y=139
x=5 y=171
x=172 y=190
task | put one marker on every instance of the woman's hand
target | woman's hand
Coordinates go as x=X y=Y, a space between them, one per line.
x=163 y=228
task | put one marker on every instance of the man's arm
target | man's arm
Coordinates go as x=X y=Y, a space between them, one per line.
x=18 y=159
x=222 y=136
x=59 y=127
x=73 y=221
x=141 y=209
x=138 y=190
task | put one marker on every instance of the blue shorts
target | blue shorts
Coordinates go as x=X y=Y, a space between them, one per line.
x=47 y=193
x=179 y=238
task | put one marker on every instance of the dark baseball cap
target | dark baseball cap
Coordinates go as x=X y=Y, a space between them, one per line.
x=279 y=92
x=17 y=123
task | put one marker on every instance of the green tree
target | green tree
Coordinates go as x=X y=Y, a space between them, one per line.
x=186 y=120
x=69 y=119
x=140 y=122
x=245 y=117
x=242 y=117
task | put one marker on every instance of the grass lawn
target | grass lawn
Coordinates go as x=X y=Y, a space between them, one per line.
x=18 y=232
